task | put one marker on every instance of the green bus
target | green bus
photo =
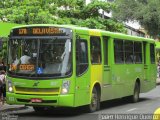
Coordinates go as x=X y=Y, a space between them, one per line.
x=69 y=66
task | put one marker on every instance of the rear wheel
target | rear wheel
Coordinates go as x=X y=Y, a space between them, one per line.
x=95 y=101
x=135 y=96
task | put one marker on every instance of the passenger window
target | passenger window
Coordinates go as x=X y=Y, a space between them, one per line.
x=95 y=48
x=144 y=51
x=129 y=56
x=118 y=51
x=105 y=50
x=138 y=52
x=152 y=53
x=81 y=56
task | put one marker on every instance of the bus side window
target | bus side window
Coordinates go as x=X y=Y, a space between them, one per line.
x=95 y=48
x=152 y=53
x=81 y=56
x=105 y=50
x=119 y=51
x=128 y=48
x=138 y=52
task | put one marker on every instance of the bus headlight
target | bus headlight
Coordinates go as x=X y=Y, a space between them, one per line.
x=65 y=87
x=10 y=86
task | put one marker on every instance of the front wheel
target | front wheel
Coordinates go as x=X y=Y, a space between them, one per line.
x=95 y=101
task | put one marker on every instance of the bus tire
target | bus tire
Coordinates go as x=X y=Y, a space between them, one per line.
x=135 y=96
x=95 y=101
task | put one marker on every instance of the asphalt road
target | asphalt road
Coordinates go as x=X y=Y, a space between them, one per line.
x=148 y=103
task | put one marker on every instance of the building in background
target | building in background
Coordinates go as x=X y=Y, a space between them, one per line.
x=135 y=31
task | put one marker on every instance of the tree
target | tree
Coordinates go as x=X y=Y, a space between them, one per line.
x=89 y=16
x=74 y=12
x=146 y=12
x=27 y=11
x=3 y=49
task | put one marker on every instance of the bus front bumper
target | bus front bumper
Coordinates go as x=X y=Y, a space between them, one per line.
x=50 y=100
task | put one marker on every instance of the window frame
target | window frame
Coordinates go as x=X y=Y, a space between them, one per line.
x=138 y=52
x=117 y=51
x=99 y=50
x=106 y=50
x=152 y=53
x=86 y=69
x=128 y=52
x=123 y=51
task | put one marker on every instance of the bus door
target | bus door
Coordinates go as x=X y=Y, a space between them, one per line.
x=106 y=82
x=149 y=66
x=96 y=75
x=82 y=71
x=146 y=61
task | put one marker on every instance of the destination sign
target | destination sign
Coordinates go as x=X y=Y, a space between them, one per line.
x=26 y=67
x=39 y=31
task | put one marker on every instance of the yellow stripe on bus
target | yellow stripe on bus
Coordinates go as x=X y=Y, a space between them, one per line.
x=94 y=32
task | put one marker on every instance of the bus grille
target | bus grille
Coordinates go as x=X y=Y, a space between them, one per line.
x=22 y=90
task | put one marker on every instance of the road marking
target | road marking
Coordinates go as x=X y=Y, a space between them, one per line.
x=131 y=109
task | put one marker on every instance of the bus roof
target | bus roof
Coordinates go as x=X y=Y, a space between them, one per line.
x=87 y=30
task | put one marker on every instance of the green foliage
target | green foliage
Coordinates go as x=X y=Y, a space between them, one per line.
x=6 y=27
x=74 y=12
x=146 y=12
x=66 y=3
x=3 y=51
x=93 y=8
x=26 y=11
x=105 y=24
x=88 y=16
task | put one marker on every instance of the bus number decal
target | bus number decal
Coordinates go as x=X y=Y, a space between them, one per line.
x=22 y=31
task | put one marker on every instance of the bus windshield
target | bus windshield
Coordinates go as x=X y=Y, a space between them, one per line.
x=40 y=57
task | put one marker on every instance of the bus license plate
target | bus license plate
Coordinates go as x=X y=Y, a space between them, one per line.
x=36 y=100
